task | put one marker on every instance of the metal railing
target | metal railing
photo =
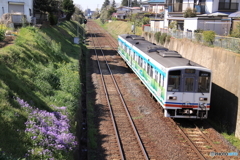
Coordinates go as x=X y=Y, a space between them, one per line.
x=226 y=42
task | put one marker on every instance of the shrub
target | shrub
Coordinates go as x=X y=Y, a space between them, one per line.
x=145 y=20
x=52 y=19
x=2 y=32
x=236 y=31
x=163 y=38
x=168 y=38
x=146 y=34
x=157 y=36
x=198 y=37
x=173 y=25
x=150 y=35
x=209 y=37
x=189 y=12
x=114 y=18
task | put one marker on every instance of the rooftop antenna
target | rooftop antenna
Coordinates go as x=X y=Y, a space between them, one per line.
x=189 y=63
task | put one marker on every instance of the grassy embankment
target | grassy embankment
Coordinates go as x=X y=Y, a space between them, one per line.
x=42 y=68
x=119 y=27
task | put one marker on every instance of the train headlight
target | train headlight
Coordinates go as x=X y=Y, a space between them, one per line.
x=202 y=99
x=172 y=98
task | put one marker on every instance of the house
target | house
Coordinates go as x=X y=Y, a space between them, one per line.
x=17 y=6
x=145 y=6
x=123 y=11
x=211 y=14
x=156 y=6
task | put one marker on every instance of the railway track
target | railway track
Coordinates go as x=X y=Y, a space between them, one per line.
x=201 y=145
x=129 y=142
x=198 y=141
x=195 y=143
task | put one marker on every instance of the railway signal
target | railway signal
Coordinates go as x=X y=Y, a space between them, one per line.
x=85 y=21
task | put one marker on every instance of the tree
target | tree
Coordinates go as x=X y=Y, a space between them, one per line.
x=78 y=14
x=44 y=6
x=96 y=14
x=113 y=4
x=189 y=12
x=125 y=2
x=105 y=4
x=110 y=12
x=135 y=3
x=68 y=8
x=104 y=15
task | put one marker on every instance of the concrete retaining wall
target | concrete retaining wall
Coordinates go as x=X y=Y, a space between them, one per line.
x=225 y=66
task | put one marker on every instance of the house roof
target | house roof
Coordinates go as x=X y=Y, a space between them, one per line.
x=216 y=14
x=235 y=15
x=156 y=1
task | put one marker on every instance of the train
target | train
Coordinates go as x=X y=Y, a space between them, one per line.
x=182 y=87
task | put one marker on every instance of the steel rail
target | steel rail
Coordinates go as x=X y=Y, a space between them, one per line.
x=110 y=108
x=126 y=109
x=191 y=144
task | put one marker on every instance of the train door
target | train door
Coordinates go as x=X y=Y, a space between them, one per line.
x=188 y=96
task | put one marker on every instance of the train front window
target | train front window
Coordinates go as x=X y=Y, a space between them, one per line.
x=174 y=81
x=189 y=84
x=204 y=82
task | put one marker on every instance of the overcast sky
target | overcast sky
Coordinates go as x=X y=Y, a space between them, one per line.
x=92 y=4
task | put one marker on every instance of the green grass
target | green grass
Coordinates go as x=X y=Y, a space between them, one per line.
x=223 y=130
x=119 y=27
x=41 y=67
x=232 y=139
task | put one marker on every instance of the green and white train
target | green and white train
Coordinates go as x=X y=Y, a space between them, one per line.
x=183 y=88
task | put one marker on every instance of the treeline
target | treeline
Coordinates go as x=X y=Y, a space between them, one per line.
x=56 y=7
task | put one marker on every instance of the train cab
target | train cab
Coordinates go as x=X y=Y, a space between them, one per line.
x=188 y=93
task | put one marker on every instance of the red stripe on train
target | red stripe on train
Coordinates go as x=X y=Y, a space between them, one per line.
x=177 y=105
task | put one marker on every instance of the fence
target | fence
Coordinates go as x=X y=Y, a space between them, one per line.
x=229 y=43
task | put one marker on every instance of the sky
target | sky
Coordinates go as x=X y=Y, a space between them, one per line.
x=92 y=4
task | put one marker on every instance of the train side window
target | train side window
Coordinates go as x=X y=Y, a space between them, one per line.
x=204 y=82
x=128 y=50
x=151 y=72
x=156 y=75
x=160 y=79
x=148 y=69
x=174 y=81
x=140 y=62
x=136 y=57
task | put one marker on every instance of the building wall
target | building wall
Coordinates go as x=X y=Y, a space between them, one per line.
x=215 y=5
x=165 y=18
x=209 y=6
x=190 y=24
x=28 y=4
x=187 y=3
x=157 y=8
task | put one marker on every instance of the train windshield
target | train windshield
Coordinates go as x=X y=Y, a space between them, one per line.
x=174 y=81
x=204 y=82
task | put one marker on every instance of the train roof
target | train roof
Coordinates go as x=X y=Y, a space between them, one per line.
x=167 y=58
